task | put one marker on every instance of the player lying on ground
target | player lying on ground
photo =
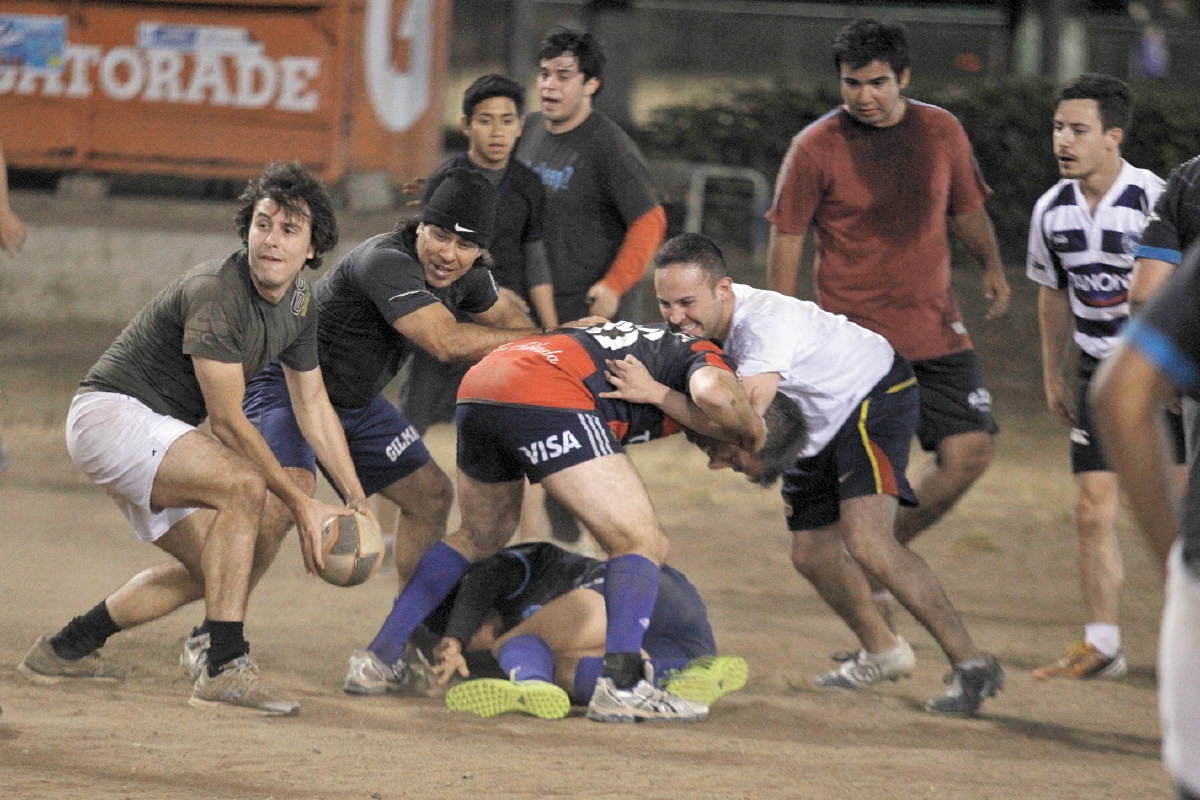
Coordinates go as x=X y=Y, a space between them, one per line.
x=391 y=295
x=200 y=498
x=859 y=403
x=532 y=616
x=541 y=408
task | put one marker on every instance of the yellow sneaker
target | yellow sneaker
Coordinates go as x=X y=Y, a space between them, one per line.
x=487 y=697
x=705 y=679
x=1082 y=661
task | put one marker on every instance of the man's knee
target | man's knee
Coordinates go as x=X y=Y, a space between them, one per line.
x=966 y=455
x=812 y=551
x=241 y=488
x=1096 y=505
x=432 y=497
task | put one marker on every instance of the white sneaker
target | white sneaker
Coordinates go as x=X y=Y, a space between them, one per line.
x=194 y=657
x=863 y=668
x=370 y=676
x=644 y=701
x=238 y=684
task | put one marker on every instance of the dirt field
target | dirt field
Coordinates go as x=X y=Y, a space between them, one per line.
x=1006 y=557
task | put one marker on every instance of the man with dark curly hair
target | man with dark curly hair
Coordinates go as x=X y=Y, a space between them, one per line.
x=219 y=504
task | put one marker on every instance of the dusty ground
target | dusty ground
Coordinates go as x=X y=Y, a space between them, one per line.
x=1006 y=557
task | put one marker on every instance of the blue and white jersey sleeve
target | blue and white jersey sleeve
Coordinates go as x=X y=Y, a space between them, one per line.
x=1090 y=252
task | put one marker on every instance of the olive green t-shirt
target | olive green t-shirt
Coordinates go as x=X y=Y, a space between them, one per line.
x=215 y=312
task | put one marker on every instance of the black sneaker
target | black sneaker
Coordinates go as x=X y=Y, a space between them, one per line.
x=969 y=687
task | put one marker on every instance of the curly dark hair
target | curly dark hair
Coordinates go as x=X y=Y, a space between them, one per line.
x=297 y=192
x=1114 y=100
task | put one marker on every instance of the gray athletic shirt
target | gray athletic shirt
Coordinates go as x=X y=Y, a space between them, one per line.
x=597 y=184
x=215 y=312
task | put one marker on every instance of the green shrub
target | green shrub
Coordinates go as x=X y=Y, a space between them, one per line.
x=1009 y=125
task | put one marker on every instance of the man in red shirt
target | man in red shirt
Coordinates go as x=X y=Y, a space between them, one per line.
x=878 y=179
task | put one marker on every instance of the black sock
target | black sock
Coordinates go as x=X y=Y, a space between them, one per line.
x=202 y=628
x=226 y=644
x=625 y=669
x=85 y=634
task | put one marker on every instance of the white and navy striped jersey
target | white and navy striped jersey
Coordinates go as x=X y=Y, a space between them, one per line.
x=1092 y=254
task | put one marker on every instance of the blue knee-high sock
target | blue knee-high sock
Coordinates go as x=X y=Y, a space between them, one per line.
x=527 y=658
x=437 y=572
x=630 y=586
x=586 y=673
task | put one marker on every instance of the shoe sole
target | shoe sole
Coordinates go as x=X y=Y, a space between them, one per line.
x=290 y=711
x=49 y=680
x=359 y=690
x=709 y=683
x=489 y=697
x=599 y=716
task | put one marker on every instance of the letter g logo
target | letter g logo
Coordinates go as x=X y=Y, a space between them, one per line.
x=399 y=98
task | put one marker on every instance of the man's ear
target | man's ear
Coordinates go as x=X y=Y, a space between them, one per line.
x=591 y=86
x=903 y=78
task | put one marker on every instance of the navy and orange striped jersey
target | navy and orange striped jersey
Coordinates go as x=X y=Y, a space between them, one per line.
x=564 y=369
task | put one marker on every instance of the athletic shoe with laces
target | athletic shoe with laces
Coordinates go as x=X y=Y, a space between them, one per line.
x=42 y=665
x=707 y=678
x=368 y=675
x=487 y=697
x=861 y=669
x=969 y=687
x=238 y=684
x=1082 y=661
x=194 y=658
x=644 y=701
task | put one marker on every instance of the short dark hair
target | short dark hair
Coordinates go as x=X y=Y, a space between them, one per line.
x=1112 y=96
x=693 y=248
x=298 y=193
x=787 y=433
x=867 y=40
x=489 y=86
x=585 y=47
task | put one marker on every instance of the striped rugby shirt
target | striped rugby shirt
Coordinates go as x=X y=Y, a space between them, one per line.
x=1092 y=255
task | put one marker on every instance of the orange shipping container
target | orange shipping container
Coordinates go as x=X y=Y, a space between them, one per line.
x=217 y=90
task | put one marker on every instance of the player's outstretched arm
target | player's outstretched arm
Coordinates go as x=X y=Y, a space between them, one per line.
x=224 y=387
x=1127 y=398
x=975 y=230
x=435 y=330
x=323 y=431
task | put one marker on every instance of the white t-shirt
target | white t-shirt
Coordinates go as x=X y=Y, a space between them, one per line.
x=1091 y=254
x=826 y=363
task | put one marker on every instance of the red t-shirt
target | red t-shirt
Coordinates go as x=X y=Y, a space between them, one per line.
x=879 y=199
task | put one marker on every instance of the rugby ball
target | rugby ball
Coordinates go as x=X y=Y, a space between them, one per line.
x=352 y=548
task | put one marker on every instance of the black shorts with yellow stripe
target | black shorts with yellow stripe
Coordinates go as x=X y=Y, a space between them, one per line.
x=868 y=455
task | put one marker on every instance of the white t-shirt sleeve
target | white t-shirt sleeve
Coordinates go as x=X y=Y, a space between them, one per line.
x=769 y=344
x=1041 y=264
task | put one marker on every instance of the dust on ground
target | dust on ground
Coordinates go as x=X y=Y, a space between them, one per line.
x=1005 y=556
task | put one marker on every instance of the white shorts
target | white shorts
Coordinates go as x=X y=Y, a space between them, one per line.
x=1179 y=673
x=119 y=442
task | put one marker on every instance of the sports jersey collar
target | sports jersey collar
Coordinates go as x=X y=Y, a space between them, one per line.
x=1123 y=179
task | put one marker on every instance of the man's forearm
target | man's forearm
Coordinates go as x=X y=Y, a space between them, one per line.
x=783 y=261
x=542 y=299
x=976 y=232
x=324 y=433
x=1056 y=326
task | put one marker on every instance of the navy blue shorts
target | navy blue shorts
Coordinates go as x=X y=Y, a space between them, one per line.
x=679 y=625
x=867 y=456
x=500 y=444
x=954 y=398
x=383 y=445
x=1086 y=455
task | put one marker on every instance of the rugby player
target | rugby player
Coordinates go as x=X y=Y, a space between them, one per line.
x=543 y=408
x=132 y=429
x=859 y=402
x=1082 y=240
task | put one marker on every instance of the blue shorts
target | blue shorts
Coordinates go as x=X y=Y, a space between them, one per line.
x=679 y=625
x=867 y=456
x=383 y=445
x=500 y=444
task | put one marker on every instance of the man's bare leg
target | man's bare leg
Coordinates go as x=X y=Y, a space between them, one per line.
x=821 y=557
x=1101 y=573
x=943 y=479
x=157 y=591
x=423 y=500
x=866 y=526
